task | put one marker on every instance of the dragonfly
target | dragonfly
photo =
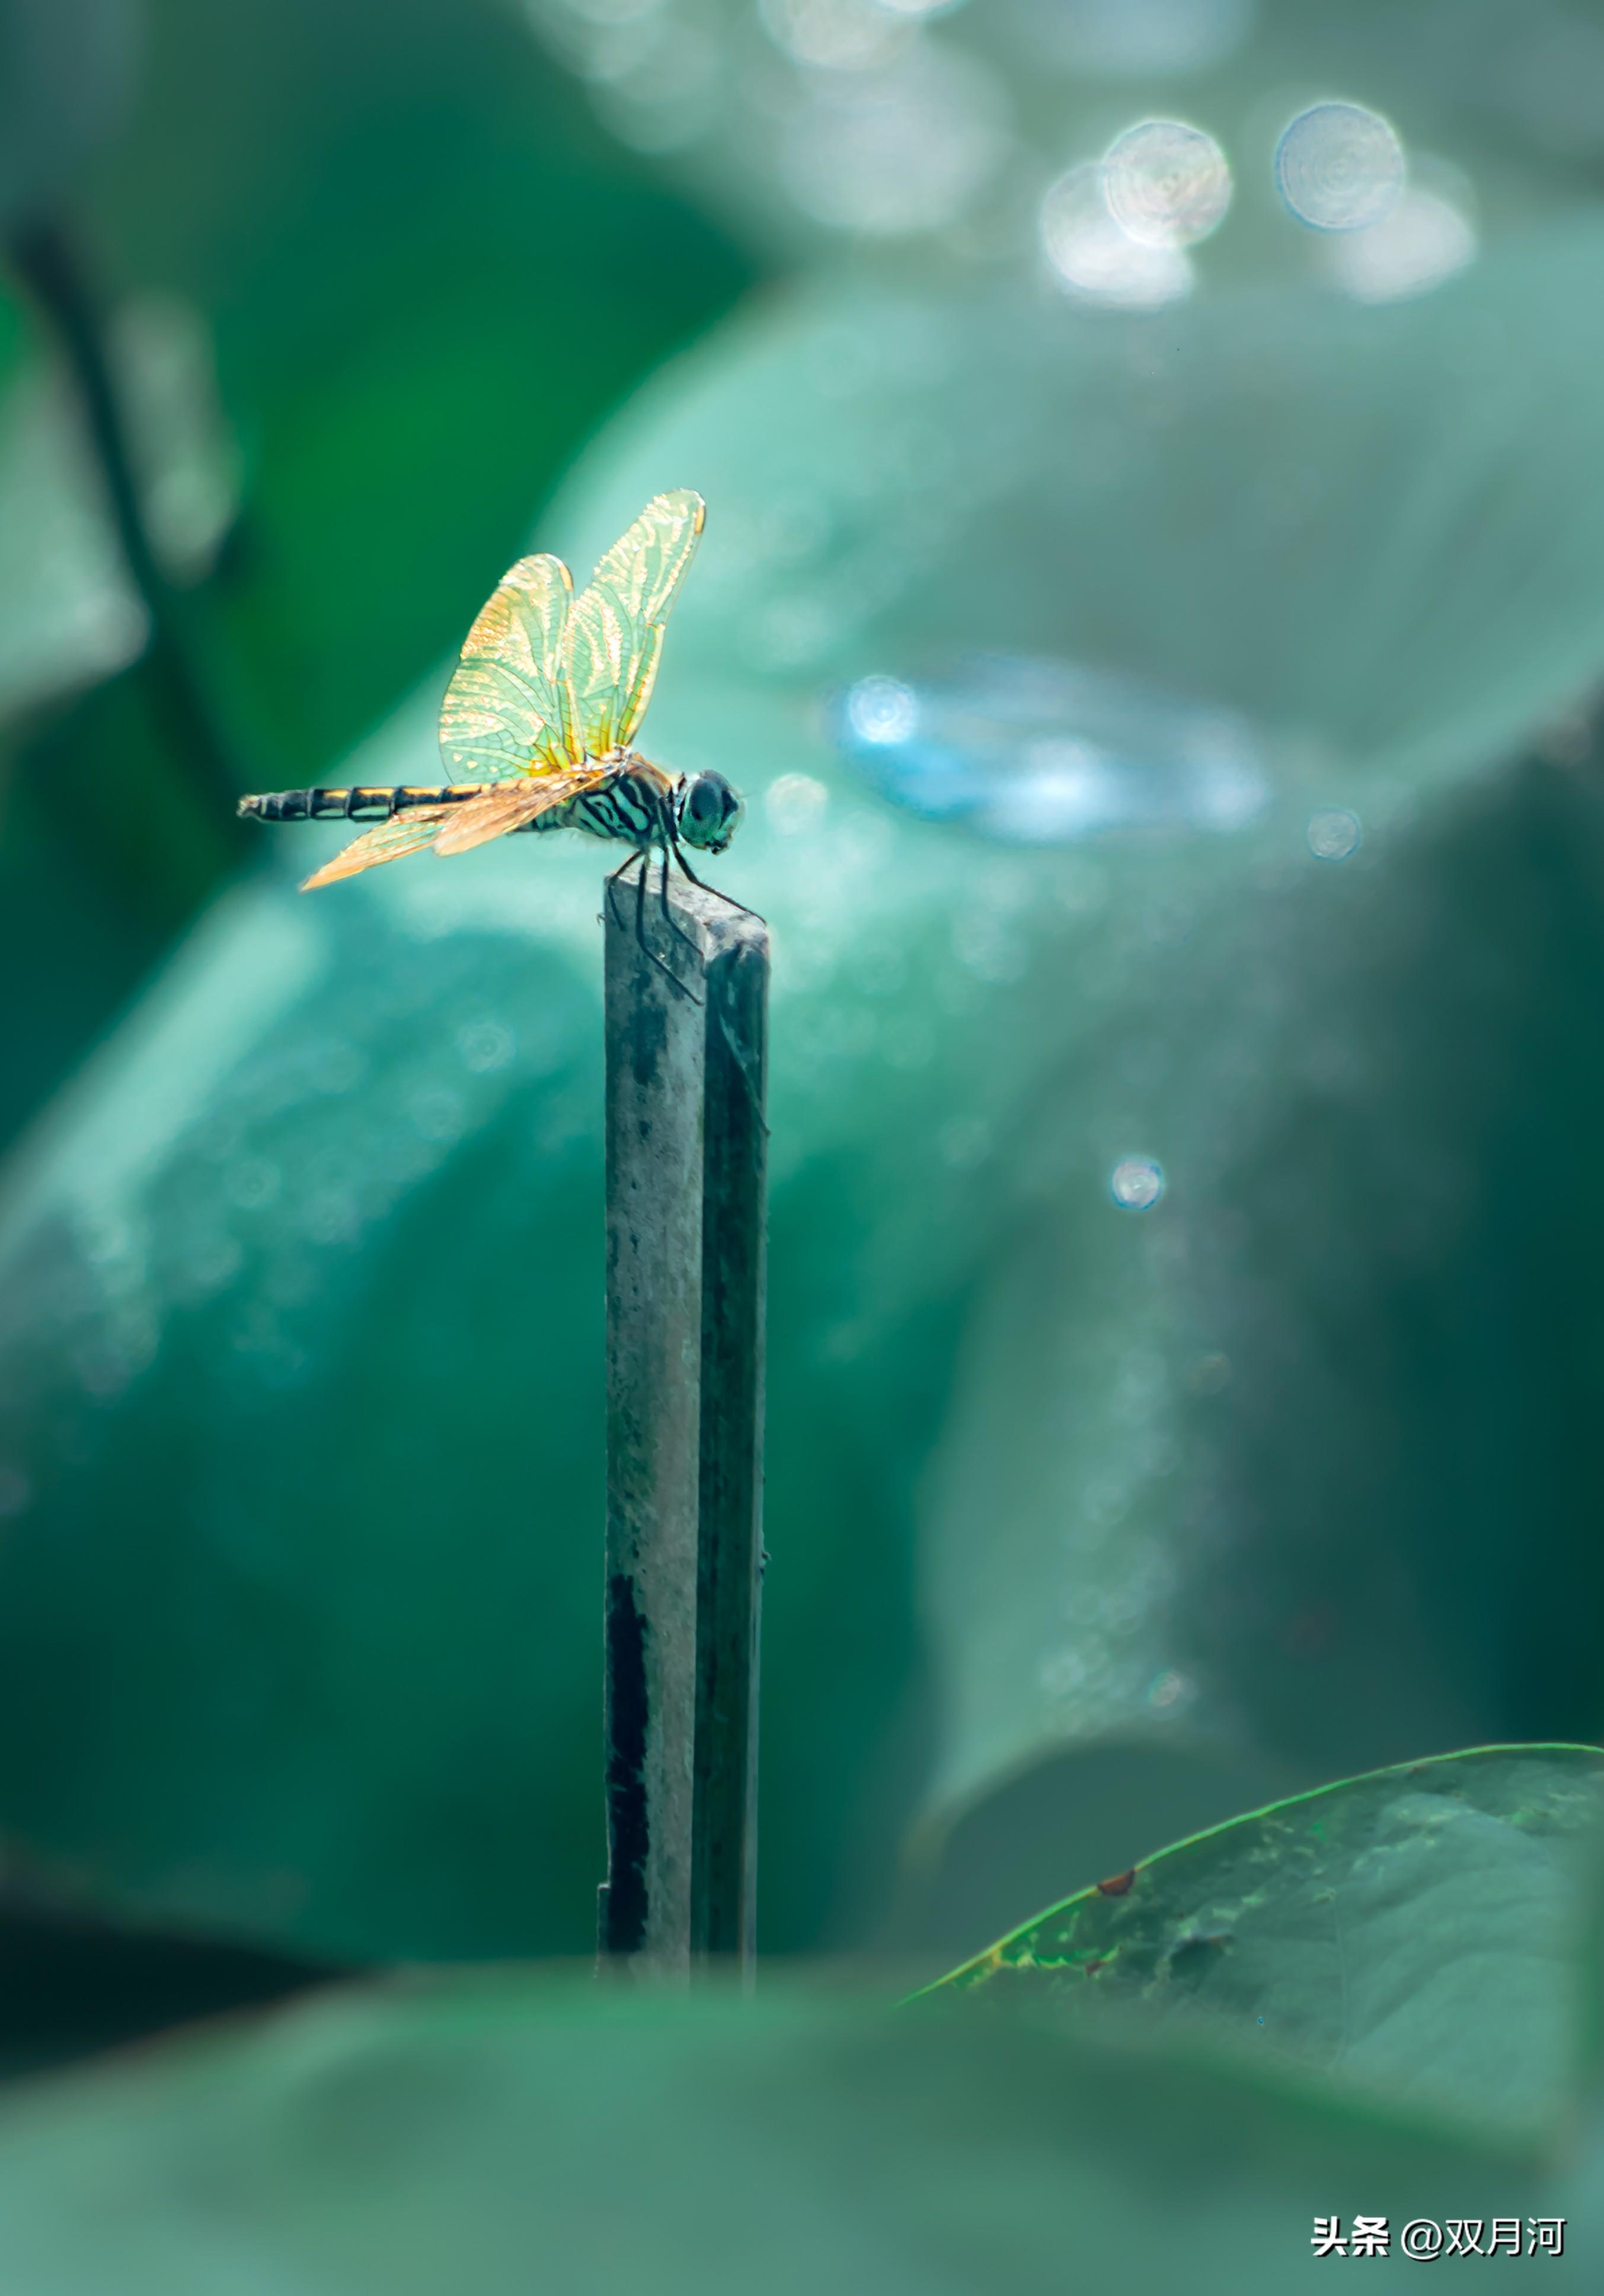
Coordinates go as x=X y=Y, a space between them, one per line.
x=538 y=718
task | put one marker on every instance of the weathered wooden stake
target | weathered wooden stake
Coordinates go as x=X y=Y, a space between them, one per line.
x=685 y=1167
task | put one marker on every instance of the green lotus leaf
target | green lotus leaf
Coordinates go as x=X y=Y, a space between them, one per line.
x=478 y=2132
x=1417 y=1934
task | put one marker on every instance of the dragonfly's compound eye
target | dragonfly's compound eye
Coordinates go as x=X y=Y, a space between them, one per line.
x=709 y=812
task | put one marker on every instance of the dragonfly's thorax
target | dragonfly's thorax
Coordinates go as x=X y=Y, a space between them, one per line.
x=634 y=803
x=631 y=764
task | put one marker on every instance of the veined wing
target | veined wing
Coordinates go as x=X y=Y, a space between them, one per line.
x=408 y=833
x=509 y=708
x=499 y=810
x=616 y=631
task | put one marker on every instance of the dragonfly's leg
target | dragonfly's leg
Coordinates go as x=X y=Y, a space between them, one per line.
x=668 y=913
x=739 y=1057
x=679 y=854
x=613 y=878
x=685 y=868
x=644 y=946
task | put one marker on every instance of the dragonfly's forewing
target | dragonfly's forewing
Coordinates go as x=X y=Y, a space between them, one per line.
x=509 y=708
x=499 y=810
x=408 y=833
x=616 y=630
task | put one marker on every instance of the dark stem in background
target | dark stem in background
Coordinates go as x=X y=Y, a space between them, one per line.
x=686 y=1173
x=42 y=255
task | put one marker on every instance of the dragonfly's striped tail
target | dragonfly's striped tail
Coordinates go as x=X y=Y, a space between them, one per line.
x=355 y=804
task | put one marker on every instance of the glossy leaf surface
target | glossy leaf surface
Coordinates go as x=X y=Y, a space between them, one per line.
x=1413 y=1934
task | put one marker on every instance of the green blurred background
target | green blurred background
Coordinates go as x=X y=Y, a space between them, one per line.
x=1100 y=1507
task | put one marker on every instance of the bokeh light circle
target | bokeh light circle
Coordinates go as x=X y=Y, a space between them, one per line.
x=1166 y=184
x=1136 y=1184
x=900 y=149
x=1095 y=260
x=1334 y=833
x=833 y=34
x=882 y=711
x=1424 y=241
x=1340 y=167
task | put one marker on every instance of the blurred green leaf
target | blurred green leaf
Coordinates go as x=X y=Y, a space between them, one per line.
x=1415 y=1934
x=1274 y=498
x=483 y=2134
x=1241 y=1475
x=70 y=614
x=67 y=72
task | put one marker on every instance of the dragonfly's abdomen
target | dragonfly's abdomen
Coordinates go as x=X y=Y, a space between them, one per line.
x=355 y=804
x=631 y=805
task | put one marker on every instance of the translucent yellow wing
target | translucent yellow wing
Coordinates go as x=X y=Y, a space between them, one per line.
x=499 y=810
x=509 y=708
x=614 y=632
x=408 y=833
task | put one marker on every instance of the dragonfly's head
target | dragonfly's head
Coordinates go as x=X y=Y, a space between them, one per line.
x=706 y=812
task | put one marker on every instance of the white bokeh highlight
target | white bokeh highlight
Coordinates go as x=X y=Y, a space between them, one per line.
x=1424 y=241
x=1136 y=1184
x=1340 y=167
x=1166 y=184
x=1096 y=261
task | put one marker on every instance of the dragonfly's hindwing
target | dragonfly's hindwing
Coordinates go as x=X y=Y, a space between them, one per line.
x=615 y=633
x=510 y=708
x=408 y=833
x=502 y=810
